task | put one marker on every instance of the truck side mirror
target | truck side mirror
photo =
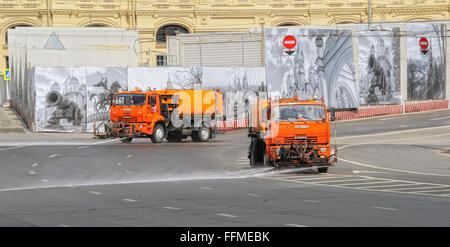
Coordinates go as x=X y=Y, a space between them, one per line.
x=333 y=115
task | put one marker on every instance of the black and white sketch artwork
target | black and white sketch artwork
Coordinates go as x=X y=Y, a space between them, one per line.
x=379 y=66
x=102 y=84
x=160 y=78
x=60 y=99
x=321 y=64
x=239 y=85
x=426 y=69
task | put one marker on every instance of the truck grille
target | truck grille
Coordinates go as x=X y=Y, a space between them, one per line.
x=301 y=139
x=128 y=119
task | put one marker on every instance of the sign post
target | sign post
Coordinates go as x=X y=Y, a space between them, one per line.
x=423 y=43
x=289 y=43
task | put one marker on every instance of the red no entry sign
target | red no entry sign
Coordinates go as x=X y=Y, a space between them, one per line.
x=423 y=42
x=289 y=42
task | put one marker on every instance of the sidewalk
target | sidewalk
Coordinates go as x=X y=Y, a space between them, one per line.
x=9 y=122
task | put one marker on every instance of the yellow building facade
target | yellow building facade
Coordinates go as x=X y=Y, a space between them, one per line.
x=156 y=18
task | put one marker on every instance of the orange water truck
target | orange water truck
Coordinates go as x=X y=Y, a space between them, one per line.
x=163 y=114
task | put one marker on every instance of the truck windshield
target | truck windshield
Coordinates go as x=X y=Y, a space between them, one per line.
x=130 y=99
x=296 y=112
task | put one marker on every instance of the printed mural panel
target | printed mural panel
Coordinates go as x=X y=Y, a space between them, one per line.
x=379 y=66
x=320 y=63
x=426 y=70
x=160 y=78
x=238 y=85
x=60 y=99
x=102 y=84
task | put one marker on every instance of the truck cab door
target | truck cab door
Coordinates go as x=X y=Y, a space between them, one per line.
x=153 y=105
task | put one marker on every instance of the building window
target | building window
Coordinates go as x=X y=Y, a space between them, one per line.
x=96 y=25
x=169 y=30
x=288 y=25
x=161 y=60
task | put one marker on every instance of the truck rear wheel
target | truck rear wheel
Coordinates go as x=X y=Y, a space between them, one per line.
x=255 y=155
x=158 y=134
x=202 y=135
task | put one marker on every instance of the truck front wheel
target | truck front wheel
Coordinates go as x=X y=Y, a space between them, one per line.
x=126 y=139
x=158 y=134
x=322 y=169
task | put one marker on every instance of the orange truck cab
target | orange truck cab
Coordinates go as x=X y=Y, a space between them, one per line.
x=291 y=132
x=160 y=114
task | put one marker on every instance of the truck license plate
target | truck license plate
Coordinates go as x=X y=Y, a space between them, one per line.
x=301 y=126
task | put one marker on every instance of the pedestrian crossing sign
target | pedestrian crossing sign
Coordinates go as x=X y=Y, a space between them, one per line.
x=6 y=74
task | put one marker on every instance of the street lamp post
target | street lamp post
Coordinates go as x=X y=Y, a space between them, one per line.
x=369 y=11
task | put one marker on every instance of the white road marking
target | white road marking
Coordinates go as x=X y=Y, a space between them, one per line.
x=389 y=185
x=35 y=164
x=394 y=132
x=32 y=172
x=432 y=191
x=383 y=208
x=129 y=156
x=392 y=140
x=376 y=182
x=95 y=192
x=438 y=118
x=171 y=208
x=403 y=126
x=314 y=201
x=129 y=200
x=327 y=177
x=45 y=180
x=251 y=194
x=295 y=225
x=347 y=180
x=388 y=118
x=119 y=164
x=391 y=169
x=421 y=188
x=1 y=149
x=227 y=215
x=53 y=156
x=61 y=225
x=84 y=147
x=288 y=175
x=359 y=172
x=367 y=188
x=206 y=188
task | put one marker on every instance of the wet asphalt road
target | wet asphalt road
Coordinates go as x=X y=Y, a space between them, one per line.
x=393 y=171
